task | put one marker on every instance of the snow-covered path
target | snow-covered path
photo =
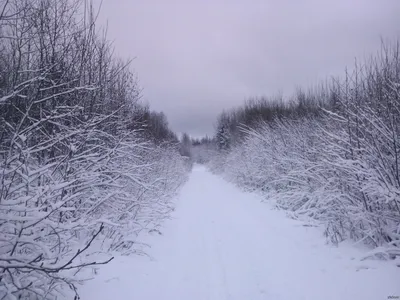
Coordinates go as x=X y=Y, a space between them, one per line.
x=225 y=244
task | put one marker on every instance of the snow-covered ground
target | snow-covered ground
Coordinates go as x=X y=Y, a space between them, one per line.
x=225 y=244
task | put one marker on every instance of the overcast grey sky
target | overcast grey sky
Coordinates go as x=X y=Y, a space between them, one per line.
x=195 y=58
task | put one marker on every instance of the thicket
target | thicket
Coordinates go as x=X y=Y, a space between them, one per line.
x=84 y=166
x=330 y=154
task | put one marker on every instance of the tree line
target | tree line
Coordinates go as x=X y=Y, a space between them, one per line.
x=329 y=153
x=85 y=167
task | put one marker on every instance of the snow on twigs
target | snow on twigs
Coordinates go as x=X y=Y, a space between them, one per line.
x=331 y=155
x=79 y=177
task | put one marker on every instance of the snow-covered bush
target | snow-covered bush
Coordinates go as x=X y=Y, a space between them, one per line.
x=148 y=178
x=339 y=166
x=79 y=177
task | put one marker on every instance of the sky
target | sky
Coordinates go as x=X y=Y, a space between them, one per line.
x=195 y=58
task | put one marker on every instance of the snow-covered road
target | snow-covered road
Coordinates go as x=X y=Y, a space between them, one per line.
x=225 y=244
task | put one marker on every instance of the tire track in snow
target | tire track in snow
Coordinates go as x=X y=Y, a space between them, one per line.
x=219 y=262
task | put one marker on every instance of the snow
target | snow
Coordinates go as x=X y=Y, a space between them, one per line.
x=223 y=243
